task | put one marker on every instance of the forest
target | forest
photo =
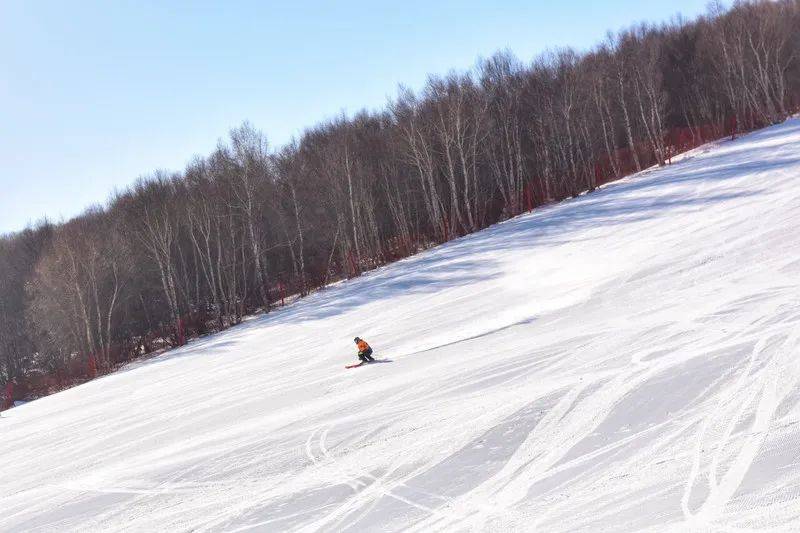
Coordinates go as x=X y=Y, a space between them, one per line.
x=252 y=226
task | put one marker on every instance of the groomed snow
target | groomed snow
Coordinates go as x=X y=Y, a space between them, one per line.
x=627 y=360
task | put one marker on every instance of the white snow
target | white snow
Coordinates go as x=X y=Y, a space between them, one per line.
x=627 y=360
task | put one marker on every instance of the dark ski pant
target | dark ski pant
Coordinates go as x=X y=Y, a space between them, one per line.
x=366 y=356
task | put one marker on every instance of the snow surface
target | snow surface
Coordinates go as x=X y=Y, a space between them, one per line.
x=626 y=360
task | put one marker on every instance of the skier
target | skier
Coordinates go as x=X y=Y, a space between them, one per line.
x=364 y=351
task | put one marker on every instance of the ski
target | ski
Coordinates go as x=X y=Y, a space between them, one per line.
x=364 y=363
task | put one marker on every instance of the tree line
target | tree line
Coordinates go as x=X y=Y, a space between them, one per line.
x=242 y=229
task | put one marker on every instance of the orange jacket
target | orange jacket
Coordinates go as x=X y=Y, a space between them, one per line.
x=362 y=346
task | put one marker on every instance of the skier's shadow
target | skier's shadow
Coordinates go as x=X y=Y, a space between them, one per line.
x=381 y=361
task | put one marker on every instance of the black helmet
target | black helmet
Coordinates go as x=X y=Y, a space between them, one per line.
x=356 y=339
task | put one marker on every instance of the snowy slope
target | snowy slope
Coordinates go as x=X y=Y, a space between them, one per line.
x=627 y=360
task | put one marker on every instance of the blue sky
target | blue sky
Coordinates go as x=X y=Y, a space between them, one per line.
x=96 y=94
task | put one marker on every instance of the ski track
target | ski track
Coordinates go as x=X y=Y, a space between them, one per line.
x=627 y=360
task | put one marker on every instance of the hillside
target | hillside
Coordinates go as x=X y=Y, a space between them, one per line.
x=626 y=360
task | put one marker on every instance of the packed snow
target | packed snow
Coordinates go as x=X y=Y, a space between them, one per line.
x=626 y=360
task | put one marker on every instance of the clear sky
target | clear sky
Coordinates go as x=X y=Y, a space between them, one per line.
x=94 y=94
